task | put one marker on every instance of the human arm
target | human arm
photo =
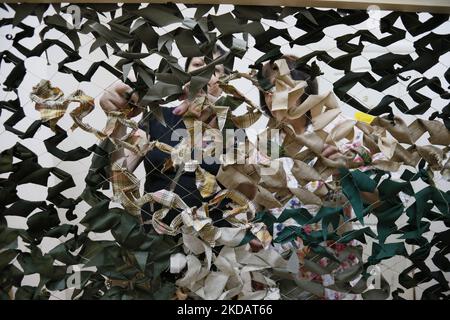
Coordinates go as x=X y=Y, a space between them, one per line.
x=114 y=99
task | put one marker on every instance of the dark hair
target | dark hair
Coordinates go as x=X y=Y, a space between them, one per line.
x=216 y=50
x=296 y=74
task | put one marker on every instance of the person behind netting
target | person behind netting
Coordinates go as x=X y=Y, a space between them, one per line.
x=156 y=177
x=302 y=125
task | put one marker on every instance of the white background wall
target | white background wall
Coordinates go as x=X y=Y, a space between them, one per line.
x=37 y=69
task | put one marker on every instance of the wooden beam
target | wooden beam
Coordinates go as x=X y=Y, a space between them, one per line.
x=432 y=6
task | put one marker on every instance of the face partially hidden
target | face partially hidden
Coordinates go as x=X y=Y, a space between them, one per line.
x=271 y=72
x=280 y=115
x=213 y=87
x=214 y=91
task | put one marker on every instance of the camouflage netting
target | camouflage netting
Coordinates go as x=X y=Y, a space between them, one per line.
x=397 y=147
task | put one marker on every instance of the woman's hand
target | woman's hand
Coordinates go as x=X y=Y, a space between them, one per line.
x=331 y=152
x=187 y=106
x=115 y=99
